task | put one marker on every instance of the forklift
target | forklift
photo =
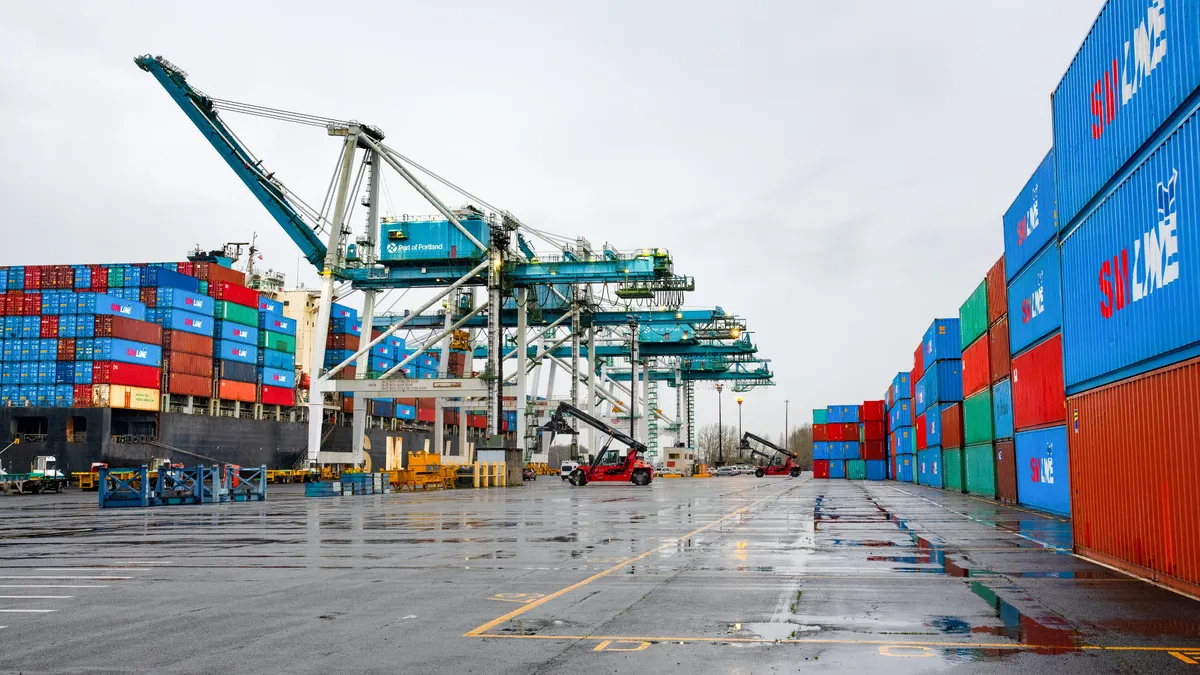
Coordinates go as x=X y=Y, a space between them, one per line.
x=608 y=466
x=769 y=469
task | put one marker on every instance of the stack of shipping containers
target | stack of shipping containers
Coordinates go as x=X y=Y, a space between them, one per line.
x=276 y=354
x=186 y=318
x=1034 y=327
x=970 y=424
x=940 y=384
x=841 y=428
x=1003 y=463
x=901 y=441
x=820 y=443
x=235 y=345
x=1131 y=323
x=872 y=443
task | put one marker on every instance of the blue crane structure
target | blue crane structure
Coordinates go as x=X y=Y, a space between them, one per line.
x=525 y=289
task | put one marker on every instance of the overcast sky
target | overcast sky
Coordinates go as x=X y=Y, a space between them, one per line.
x=834 y=172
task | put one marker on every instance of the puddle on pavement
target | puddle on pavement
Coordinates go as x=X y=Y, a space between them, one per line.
x=1049 y=634
x=771 y=630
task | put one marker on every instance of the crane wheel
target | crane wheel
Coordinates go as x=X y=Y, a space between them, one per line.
x=795 y=473
x=760 y=473
x=577 y=478
x=640 y=478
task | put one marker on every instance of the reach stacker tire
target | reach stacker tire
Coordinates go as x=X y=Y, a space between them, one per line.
x=640 y=478
x=759 y=472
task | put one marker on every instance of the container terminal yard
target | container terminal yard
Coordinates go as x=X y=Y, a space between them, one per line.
x=480 y=443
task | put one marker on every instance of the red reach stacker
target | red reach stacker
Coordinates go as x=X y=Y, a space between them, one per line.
x=785 y=469
x=608 y=466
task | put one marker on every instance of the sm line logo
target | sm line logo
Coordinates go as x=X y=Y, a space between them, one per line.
x=1042 y=468
x=1144 y=50
x=121 y=309
x=1155 y=258
x=1028 y=222
x=135 y=353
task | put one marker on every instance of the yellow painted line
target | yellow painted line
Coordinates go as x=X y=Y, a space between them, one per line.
x=476 y=632
x=824 y=641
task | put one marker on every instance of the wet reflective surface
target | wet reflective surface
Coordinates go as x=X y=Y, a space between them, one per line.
x=724 y=575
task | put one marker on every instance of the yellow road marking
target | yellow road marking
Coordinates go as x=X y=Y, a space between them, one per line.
x=516 y=597
x=476 y=632
x=906 y=651
x=1188 y=657
x=825 y=641
x=606 y=646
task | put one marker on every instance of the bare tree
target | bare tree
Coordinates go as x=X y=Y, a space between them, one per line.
x=801 y=443
x=708 y=447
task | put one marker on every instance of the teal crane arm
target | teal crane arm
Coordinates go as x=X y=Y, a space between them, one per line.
x=199 y=109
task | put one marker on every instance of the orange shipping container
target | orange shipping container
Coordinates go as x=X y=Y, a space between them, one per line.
x=1006 y=471
x=231 y=390
x=997 y=293
x=999 y=357
x=121 y=396
x=1135 y=455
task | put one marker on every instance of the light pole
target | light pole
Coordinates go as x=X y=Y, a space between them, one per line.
x=739 y=402
x=786 y=427
x=720 y=429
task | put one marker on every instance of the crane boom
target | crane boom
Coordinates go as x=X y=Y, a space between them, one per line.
x=199 y=109
x=747 y=437
x=558 y=425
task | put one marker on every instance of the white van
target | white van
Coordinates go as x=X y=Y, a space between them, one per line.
x=566 y=468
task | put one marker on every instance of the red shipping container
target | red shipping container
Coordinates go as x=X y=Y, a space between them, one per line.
x=819 y=434
x=188 y=343
x=952 y=426
x=918 y=364
x=235 y=293
x=450 y=417
x=48 y=326
x=820 y=468
x=130 y=374
x=1006 y=471
x=189 y=385
x=33 y=277
x=999 y=357
x=183 y=363
x=341 y=341
x=14 y=303
x=920 y=432
x=347 y=373
x=107 y=325
x=479 y=421
x=425 y=403
x=997 y=292
x=1038 y=392
x=888 y=397
x=976 y=369
x=850 y=431
x=278 y=396
x=82 y=396
x=148 y=296
x=410 y=402
x=33 y=304
x=231 y=390
x=425 y=414
x=3 y=304
x=874 y=449
x=874 y=431
x=833 y=432
x=872 y=411
x=1134 y=450
x=66 y=349
x=185 y=268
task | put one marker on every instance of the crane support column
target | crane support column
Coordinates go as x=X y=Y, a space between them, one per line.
x=574 y=393
x=439 y=413
x=368 y=251
x=680 y=413
x=495 y=362
x=591 y=386
x=316 y=399
x=644 y=422
x=633 y=376
x=522 y=357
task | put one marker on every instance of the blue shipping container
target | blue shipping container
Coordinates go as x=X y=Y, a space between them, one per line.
x=164 y=278
x=841 y=414
x=901 y=415
x=85 y=349
x=274 y=377
x=1002 y=409
x=406 y=412
x=1122 y=85
x=906 y=465
x=276 y=323
x=378 y=364
x=271 y=358
x=336 y=356
x=126 y=351
x=876 y=469
x=901 y=388
x=99 y=303
x=85 y=325
x=345 y=327
x=851 y=450
x=177 y=298
x=266 y=304
x=929 y=467
x=235 y=332
x=1030 y=222
x=933 y=426
x=1131 y=271
x=1035 y=307
x=240 y=352
x=188 y=322
x=941 y=383
x=837 y=468
x=384 y=351
x=83 y=372
x=942 y=341
x=424 y=240
x=337 y=311
x=1043 y=474
x=820 y=450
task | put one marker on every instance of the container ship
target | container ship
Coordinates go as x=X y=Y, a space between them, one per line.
x=192 y=360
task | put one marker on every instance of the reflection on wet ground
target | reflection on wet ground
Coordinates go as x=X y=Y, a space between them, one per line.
x=725 y=575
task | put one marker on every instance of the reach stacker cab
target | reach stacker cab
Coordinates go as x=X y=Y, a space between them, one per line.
x=785 y=469
x=609 y=466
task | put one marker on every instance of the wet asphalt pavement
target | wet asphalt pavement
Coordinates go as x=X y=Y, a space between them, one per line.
x=726 y=575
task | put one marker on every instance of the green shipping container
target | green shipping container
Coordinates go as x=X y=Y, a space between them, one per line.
x=981 y=470
x=203 y=288
x=856 y=469
x=228 y=311
x=972 y=316
x=952 y=469
x=116 y=277
x=819 y=416
x=977 y=418
x=278 y=341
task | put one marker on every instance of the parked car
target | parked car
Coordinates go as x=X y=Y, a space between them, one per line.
x=726 y=471
x=528 y=474
x=566 y=468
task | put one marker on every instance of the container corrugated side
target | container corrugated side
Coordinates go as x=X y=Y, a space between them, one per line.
x=1035 y=305
x=999 y=356
x=929 y=467
x=942 y=383
x=977 y=418
x=943 y=340
x=997 y=292
x=976 y=366
x=1002 y=409
x=979 y=470
x=953 y=478
x=1006 y=471
x=952 y=426
x=1138 y=63
x=1037 y=386
x=973 y=315
x=1030 y=222
x=1131 y=271
x=1135 y=458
